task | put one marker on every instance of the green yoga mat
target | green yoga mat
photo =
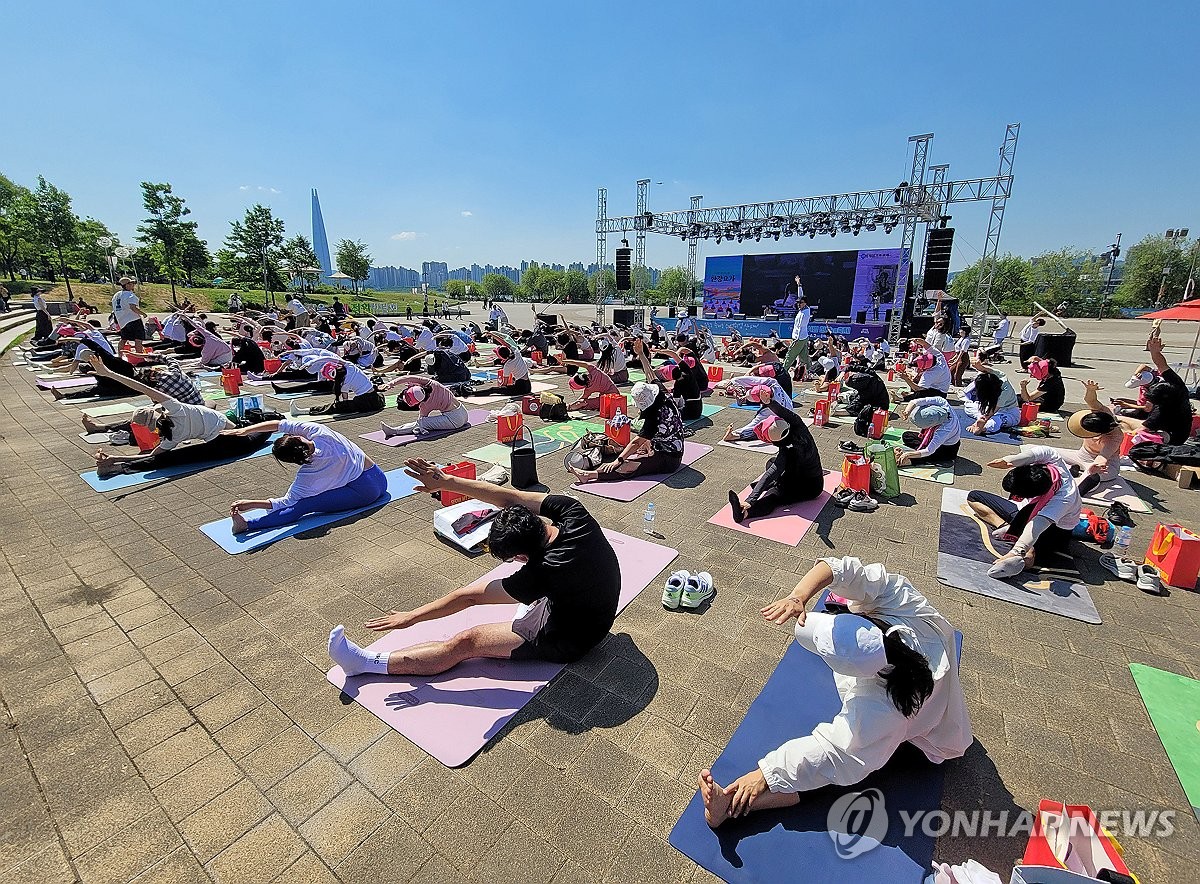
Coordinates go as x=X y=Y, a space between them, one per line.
x=705 y=411
x=942 y=474
x=546 y=440
x=1173 y=702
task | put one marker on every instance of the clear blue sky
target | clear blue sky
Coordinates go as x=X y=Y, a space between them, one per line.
x=480 y=131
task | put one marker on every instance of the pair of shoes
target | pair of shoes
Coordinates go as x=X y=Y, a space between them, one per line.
x=842 y=496
x=1118 y=514
x=1009 y=566
x=687 y=590
x=863 y=503
x=296 y=411
x=1125 y=569
x=1149 y=580
x=850 y=447
x=497 y=475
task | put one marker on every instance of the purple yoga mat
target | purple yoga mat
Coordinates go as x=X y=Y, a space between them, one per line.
x=66 y=384
x=453 y=715
x=475 y=418
x=629 y=489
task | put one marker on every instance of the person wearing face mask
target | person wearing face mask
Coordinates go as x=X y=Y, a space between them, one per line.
x=895 y=667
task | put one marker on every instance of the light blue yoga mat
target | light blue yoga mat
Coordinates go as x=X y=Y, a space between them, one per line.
x=400 y=484
x=129 y=480
x=1003 y=437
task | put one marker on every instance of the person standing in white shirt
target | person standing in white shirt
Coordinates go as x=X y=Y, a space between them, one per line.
x=799 y=347
x=895 y=667
x=1029 y=336
x=129 y=314
x=300 y=315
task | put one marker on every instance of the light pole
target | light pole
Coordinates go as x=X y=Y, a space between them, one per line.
x=106 y=243
x=1110 y=256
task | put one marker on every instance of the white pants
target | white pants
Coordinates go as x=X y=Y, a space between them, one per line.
x=1005 y=417
x=451 y=420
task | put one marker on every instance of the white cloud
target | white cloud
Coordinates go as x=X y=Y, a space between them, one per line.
x=466 y=214
x=405 y=234
x=261 y=188
x=244 y=187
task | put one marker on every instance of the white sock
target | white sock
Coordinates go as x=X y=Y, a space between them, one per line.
x=353 y=659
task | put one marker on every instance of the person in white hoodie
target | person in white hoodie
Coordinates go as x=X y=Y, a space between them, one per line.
x=895 y=666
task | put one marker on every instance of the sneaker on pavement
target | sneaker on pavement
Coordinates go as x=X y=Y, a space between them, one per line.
x=296 y=411
x=673 y=591
x=1148 y=580
x=850 y=447
x=842 y=496
x=1124 y=569
x=862 y=503
x=1118 y=514
x=699 y=589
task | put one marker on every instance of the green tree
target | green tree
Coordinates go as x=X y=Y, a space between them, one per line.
x=456 y=289
x=675 y=286
x=1011 y=286
x=165 y=226
x=353 y=260
x=610 y=283
x=253 y=246
x=193 y=256
x=298 y=253
x=1067 y=276
x=13 y=232
x=575 y=286
x=497 y=287
x=88 y=256
x=55 y=225
x=1143 y=278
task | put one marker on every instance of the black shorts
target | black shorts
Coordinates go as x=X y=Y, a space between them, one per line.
x=543 y=642
x=133 y=331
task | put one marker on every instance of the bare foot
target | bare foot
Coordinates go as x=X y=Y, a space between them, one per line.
x=716 y=802
x=239 y=523
x=729 y=434
x=582 y=477
x=91 y=426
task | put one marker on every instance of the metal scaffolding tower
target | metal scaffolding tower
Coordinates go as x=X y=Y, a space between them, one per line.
x=911 y=196
x=639 y=245
x=601 y=248
x=991 y=248
x=692 y=240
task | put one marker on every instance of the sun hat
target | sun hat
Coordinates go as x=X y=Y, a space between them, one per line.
x=1141 y=379
x=1078 y=423
x=414 y=395
x=644 y=395
x=924 y=361
x=1039 y=369
x=771 y=430
x=146 y=416
x=931 y=415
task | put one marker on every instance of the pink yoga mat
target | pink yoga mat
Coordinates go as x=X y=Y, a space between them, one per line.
x=475 y=417
x=629 y=489
x=453 y=715
x=66 y=384
x=786 y=525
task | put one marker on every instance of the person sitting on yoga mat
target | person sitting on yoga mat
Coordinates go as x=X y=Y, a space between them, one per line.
x=612 y=359
x=516 y=372
x=658 y=446
x=439 y=408
x=568 y=585
x=1098 y=459
x=748 y=390
x=443 y=366
x=175 y=423
x=214 y=352
x=939 y=436
x=591 y=383
x=792 y=475
x=1168 y=397
x=302 y=372
x=1050 y=392
x=570 y=352
x=683 y=387
x=933 y=378
x=895 y=666
x=353 y=391
x=992 y=401
x=335 y=475
x=1143 y=376
x=1041 y=512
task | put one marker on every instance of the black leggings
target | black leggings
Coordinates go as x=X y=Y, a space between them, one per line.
x=776 y=489
x=657 y=463
x=372 y=401
x=519 y=387
x=314 y=386
x=921 y=394
x=1053 y=540
x=946 y=454
x=224 y=447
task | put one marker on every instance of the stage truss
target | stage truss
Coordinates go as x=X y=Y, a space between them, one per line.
x=905 y=206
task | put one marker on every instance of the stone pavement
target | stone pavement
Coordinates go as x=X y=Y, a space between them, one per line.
x=166 y=716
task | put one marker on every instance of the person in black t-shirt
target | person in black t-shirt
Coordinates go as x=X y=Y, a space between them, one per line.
x=1051 y=392
x=1170 y=411
x=569 y=584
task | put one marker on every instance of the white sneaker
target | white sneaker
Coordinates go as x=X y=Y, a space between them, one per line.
x=296 y=411
x=673 y=591
x=1150 y=581
x=699 y=589
x=497 y=475
x=1125 y=569
x=1009 y=566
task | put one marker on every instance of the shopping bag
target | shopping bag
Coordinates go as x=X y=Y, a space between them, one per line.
x=231 y=380
x=611 y=403
x=1068 y=836
x=716 y=373
x=536 y=356
x=821 y=413
x=146 y=439
x=1175 y=552
x=1029 y=413
x=832 y=392
x=856 y=473
x=530 y=405
x=508 y=427
x=522 y=461
x=464 y=469
x=885 y=456
x=1126 y=444
x=240 y=405
x=272 y=365
x=879 y=423
x=619 y=432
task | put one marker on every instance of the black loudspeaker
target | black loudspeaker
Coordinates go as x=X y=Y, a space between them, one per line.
x=937 y=258
x=628 y=316
x=624 y=266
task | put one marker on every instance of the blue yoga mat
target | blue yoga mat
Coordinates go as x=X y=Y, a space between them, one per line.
x=399 y=484
x=794 y=844
x=129 y=480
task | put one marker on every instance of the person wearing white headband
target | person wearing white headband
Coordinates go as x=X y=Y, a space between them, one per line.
x=1143 y=376
x=439 y=409
x=895 y=666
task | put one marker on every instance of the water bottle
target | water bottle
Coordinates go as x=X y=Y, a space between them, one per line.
x=1124 y=536
x=648 y=519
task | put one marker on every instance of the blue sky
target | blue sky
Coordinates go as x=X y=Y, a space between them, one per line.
x=480 y=131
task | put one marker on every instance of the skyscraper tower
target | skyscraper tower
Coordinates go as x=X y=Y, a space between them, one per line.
x=320 y=240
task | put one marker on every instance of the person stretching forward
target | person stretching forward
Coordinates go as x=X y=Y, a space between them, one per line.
x=569 y=584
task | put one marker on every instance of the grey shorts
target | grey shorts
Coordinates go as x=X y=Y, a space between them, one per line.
x=531 y=620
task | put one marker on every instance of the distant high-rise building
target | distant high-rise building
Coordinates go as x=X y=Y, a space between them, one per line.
x=393 y=278
x=435 y=274
x=320 y=240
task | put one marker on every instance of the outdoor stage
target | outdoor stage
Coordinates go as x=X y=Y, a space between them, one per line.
x=761 y=328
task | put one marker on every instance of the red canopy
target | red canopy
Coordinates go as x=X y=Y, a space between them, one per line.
x=1185 y=310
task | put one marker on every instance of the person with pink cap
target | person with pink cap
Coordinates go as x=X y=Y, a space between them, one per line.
x=895 y=666
x=439 y=408
x=751 y=390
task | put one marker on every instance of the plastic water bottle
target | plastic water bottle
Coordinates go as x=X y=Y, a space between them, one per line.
x=648 y=519
x=1124 y=536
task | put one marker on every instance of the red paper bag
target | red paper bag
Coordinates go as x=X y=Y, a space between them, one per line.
x=716 y=373
x=856 y=473
x=508 y=427
x=1029 y=413
x=834 y=389
x=146 y=439
x=1069 y=836
x=1175 y=552
x=620 y=434
x=1126 y=444
x=821 y=417
x=464 y=469
x=272 y=365
x=231 y=380
x=611 y=403
x=536 y=356
x=879 y=423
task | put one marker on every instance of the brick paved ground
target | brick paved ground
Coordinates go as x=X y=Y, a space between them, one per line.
x=167 y=718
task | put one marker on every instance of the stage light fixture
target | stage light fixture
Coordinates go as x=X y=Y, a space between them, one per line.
x=718 y=239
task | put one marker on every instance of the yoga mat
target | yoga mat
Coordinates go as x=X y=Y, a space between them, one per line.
x=943 y=474
x=752 y=445
x=475 y=417
x=546 y=440
x=129 y=480
x=453 y=715
x=115 y=408
x=787 y=524
x=400 y=484
x=289 y=395
x=66 y=384
x=966 y=551
x=706 y=411
x=18 y=362
x=965 y=420
x=795 y=843
x=1114 y=491
x=95 y=438
x=631 y=489
x=56 y=376
x=476 y=400
x=1173 y=704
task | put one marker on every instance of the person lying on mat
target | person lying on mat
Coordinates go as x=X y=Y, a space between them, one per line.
x=1040 y=513
x=335 y=475
x=749 y=389
x=937 y=441
x=933 y=378
x=656 y=449
x=1050 y=392
x=353 y=391
x=439 y=408
x=895 y=666
x=792 y=475
x=175 y=423
x=569 y=586
x=1098 y=460
x=515 y=370
x=591 y=383
x=991 y=400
